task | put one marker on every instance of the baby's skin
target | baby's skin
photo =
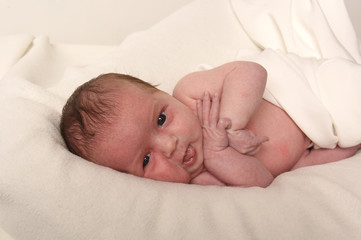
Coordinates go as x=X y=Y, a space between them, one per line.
x=228 y=160
x=280 y=145
x=243 y=169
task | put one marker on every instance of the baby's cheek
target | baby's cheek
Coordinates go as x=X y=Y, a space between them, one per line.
x=174 y=176
x=167 y=173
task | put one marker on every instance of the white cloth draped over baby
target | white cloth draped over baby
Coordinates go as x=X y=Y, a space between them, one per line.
x=313 y=65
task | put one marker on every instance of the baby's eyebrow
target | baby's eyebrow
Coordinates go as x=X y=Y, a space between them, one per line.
x=154 y=113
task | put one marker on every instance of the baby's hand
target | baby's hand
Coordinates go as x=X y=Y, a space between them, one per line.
x=214 y=129
x=245 y=142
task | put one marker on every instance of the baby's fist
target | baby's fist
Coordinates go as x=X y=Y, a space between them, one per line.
x=245 y=142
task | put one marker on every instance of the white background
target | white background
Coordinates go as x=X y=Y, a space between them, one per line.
x=72 y=21
x=97 y=21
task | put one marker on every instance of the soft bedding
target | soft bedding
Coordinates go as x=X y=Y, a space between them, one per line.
x=48 y=193
x=313 y=66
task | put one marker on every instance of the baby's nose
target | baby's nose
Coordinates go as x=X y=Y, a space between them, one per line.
x=167 y=144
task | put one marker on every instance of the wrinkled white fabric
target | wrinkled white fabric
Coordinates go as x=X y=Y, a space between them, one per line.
x=321 y=95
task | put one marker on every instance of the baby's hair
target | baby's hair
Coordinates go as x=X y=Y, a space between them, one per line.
x=91 y=108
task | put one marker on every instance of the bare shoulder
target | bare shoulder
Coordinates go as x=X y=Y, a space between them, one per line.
x=193 y=85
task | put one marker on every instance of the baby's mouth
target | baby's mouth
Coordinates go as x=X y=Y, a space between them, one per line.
x=189 y=156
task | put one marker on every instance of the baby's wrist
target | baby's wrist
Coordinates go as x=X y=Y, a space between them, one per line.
x=215 y=153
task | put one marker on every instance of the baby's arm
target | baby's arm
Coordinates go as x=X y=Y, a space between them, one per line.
x=222 y=161
x=242 y=93
x=243 y=89
x=241 y=86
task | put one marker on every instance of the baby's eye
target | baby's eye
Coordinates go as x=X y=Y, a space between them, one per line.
x=161 y=119
x=146 y=160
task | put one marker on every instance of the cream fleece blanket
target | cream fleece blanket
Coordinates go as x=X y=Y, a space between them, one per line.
x=48 y=193
x=313 y=65
x=321 y=96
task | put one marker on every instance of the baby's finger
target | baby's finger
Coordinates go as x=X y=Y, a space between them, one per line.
x=223 y=124
x=261 y=139
x=205 y=108
x=252 y=152
x=214 y=115
x=257 y=141
x=199 y=111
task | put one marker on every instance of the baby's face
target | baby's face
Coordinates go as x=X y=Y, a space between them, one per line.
x=154 y=136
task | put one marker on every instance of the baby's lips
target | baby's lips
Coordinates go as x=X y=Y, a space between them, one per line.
x=189 y=155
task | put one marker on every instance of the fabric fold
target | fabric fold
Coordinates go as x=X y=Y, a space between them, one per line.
x=313 y=64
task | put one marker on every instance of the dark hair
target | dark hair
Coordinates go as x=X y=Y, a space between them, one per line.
x=89 y=109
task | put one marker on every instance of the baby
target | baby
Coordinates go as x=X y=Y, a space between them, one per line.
x=212 y=131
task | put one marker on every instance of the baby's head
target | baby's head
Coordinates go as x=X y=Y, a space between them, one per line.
x=91 y=108
x=124 y=123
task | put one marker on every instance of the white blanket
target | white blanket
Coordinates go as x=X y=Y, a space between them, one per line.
x=321 y=96
x=48 y=193
x=313 y=65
